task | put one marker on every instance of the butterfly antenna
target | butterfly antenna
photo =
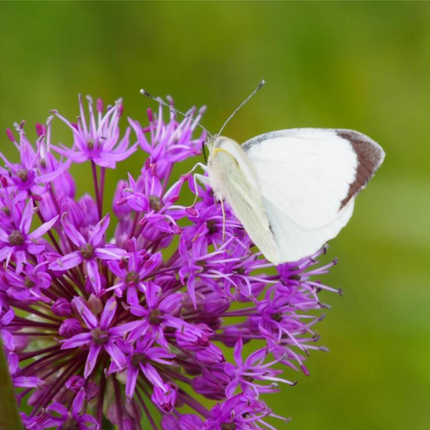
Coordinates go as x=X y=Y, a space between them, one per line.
x=161 y=101
x=260 y=85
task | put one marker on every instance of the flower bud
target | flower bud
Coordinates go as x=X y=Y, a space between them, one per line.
x=70 y=328
x=62 y=308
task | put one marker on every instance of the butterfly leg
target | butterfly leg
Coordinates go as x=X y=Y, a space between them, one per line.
x=223 y=219
x=198 y=177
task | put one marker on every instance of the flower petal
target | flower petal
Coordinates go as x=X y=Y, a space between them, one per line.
x=67 y=262
x=108 y=313
x=72 y=233
x=91 y=359
x=40 y=231
x=85 y=313
x=110 y=253
x=77 y=340
x=26 y=218
x=99 y=230
x=116 y=354
x=94 y=275
x=132 y=374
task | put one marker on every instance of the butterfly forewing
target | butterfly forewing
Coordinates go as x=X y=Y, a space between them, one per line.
x=311 y=174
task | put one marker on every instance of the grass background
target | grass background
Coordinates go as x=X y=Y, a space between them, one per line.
x=359 y=65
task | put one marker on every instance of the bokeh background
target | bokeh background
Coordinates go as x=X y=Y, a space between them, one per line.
x=364 y=66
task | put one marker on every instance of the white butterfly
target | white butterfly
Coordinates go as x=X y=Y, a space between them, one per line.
x=293 y=190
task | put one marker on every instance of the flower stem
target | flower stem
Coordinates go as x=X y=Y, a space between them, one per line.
x=9 y=415
x=96 y=187
x=102 y=188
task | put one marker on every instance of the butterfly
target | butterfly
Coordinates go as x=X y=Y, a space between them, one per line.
x=292 y=190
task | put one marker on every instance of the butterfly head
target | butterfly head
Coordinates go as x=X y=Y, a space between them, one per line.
x=216 y=142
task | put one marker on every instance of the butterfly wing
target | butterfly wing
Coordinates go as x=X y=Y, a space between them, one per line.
x=233 y=180
x=309 y=179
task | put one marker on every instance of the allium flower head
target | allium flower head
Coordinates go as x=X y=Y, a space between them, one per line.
x=98 y=327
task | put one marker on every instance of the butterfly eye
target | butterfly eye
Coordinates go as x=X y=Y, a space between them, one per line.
x=204 y=151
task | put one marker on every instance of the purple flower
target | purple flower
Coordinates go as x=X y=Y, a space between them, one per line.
x=171 y=142
x=6 y=317
x=97 y=139
x=18 y=380
x=158 y=314
x=26 y=177
x=17 y=243
x=99 y=326
x=139 y=358
x=132 y=272
x=70 y=419
x=29 y=284
x=99 y=334
x=89 y=251
x=244 y=374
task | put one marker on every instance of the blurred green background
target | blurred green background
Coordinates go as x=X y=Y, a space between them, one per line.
x=364 y=66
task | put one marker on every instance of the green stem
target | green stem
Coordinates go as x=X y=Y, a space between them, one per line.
x=9 y=414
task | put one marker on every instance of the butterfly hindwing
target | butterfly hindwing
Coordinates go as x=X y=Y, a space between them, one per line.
x=231 y=182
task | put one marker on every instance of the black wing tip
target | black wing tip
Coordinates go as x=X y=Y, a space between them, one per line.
x=363 y=145
x=370 y=156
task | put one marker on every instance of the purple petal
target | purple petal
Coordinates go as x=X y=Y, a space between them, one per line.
x=77 y=340
x=108 y=313
x=190 y=422
x=138 y=331
x=12 y=362
x=132 y=297
x=49 y=177
x=67 y=262
x=238 y=352
x=191 y=284
x=89 y=421
x=72 y=233
x=26 y=218
x=231 y=388
x=78 y=402
x=4 y=237
x=5 y=252
x=91 y=359
x=58 y=408
x=88 y=317
x=124 y=328
x=34 y=249
x=256 y=356
x=94 y=275
x=7 y=317
x=99 y=230
x=152 y=375
x=110 y=253
x=132 y=374
x=77 y=157
x=169 y=422
x=40 y=231
x=20 y=259
x=171 y=303
x=27 y=381
x=116 y=354
x=7 y=339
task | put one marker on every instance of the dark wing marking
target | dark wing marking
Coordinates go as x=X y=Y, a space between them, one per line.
x=369 y=156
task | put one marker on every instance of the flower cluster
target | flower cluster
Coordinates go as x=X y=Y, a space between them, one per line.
x=102 y=327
